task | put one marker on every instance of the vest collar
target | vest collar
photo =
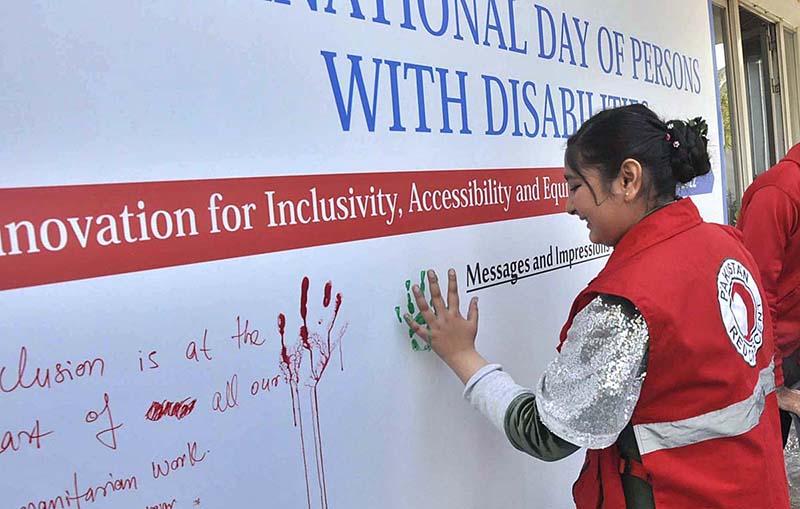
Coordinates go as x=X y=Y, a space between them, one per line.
x=657 y=227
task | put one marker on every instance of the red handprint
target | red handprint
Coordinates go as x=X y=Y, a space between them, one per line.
x=319 y=342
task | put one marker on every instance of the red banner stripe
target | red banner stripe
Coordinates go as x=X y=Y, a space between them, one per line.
x=64 y=233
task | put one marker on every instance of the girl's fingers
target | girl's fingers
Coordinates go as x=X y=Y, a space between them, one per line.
x=419 y=330
x=436 y=293
x=472 y=314
x=423 y=307
x=452 y=293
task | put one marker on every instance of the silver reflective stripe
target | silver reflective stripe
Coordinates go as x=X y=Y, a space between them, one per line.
x=731 y=421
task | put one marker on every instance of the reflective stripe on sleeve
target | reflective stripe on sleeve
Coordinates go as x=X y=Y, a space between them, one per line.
x=731 y=421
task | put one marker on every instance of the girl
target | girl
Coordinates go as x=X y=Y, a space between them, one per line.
x=665 y=365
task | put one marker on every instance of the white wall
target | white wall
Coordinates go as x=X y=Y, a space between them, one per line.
x=105 y=105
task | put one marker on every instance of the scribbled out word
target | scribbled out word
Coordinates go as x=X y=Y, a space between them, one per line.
x=177 y=409
x=416 y=315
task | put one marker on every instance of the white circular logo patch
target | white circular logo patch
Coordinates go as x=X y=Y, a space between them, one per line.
x=741 y=308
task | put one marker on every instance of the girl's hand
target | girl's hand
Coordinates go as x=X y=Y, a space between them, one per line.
x=788 y=400
x=450 y=335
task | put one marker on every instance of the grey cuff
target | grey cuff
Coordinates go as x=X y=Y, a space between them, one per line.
x=490 y=391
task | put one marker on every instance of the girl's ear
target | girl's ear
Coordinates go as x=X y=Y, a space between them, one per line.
x=629 y=180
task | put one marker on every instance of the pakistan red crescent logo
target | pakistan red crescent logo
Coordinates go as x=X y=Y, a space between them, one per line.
x=741 y=308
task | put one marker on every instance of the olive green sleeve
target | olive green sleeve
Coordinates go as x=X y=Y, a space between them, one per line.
x=526 y=432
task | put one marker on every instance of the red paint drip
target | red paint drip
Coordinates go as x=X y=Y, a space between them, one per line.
x=286 y=366
x=326 y=299
x=303 y=315
x=304 y=337
x=335 y=314
x=304 y=299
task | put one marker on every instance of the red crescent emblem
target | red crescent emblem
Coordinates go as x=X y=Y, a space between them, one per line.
x=746 y=298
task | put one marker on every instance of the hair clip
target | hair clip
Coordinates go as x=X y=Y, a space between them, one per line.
x=700 y=125
x=668 y=137
x=676 y=144
x=670 y=126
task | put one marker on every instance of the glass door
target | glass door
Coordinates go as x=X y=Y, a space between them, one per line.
x=723 y=59
x=791 y=83
x=762 y=90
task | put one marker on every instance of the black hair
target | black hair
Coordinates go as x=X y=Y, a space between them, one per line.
x=670 y=152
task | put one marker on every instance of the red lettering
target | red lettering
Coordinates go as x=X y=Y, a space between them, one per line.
x=33 y=436
x=150 y=357
x=163 y=505
x=91 y=494
x=41 y=377
x=21 y=367
x=246 y=336
x=231 y=396
x=191 y=349
x=179 y=462
x=92 y=416
x=265 y=384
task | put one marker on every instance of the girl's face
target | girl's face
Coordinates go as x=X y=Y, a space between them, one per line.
x=609 y=211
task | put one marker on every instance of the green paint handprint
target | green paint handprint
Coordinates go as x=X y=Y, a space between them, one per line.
x=416 y=344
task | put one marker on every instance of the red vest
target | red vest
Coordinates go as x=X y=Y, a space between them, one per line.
x=707 y=419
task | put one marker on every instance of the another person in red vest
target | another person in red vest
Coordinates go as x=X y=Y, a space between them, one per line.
x=665 y=372
x=770 y=225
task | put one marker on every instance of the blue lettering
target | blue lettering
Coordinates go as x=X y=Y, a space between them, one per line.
x=566 y=41
x=512 y=24
x=582 y=38
x=407 y=16
x=647 y=50
x=658 y=62
x=636 y=53
x=380 y=17
x=529 y=105
x=488 y=81
x=460 y=99
x=567 y=105
x=397 y=126
x=355 y=77
x=515 y=105
x=619 y=44
x=604 y=39
x=549 y=114
x=418 y=70
x=491 y=10
x=471 y=19
x=355 y=9
x=423 y=13
x=540 y=12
